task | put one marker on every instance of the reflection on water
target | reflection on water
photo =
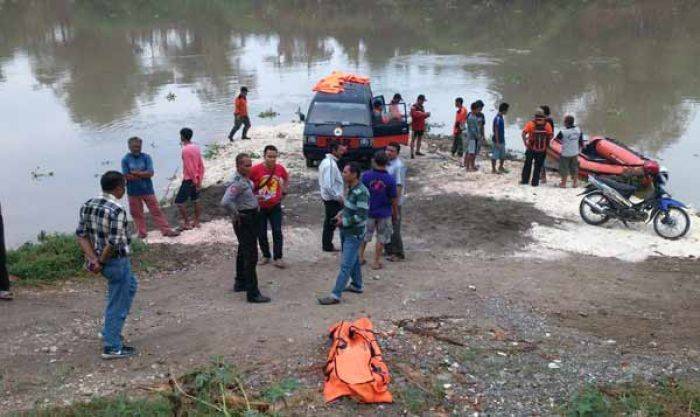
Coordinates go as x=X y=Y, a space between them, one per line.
x=78 y=77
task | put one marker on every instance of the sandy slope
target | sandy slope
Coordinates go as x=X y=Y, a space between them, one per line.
x=440 y=174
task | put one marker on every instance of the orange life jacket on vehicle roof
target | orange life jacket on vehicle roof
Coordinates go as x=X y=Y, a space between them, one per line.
x=355 y=366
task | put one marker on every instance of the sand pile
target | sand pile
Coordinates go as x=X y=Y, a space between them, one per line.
x=439 y=174
x=572 y=235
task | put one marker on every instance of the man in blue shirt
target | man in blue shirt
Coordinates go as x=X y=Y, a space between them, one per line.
x=383 y=207
x=498 y=153
x=137 y=167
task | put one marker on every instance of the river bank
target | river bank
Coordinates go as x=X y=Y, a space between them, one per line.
x=483 y=317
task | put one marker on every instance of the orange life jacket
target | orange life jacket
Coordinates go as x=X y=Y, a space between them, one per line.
x=538 y=140
x=355 y=366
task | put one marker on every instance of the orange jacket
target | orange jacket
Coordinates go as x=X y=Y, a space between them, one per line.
x=241 y=104
x=460 y=119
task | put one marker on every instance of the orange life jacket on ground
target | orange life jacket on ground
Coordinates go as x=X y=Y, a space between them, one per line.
x=355 y=366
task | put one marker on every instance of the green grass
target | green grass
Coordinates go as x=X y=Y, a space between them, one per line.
x=52 y=258
x=212 y=150
x=200 y=395
x=120 y=406
x=666 y=398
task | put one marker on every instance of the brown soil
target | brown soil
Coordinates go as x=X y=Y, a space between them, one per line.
x=49 y=349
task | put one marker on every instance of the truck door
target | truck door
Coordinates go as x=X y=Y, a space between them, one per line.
x=389 y=122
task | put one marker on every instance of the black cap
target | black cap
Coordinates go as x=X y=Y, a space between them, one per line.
x=421 y=97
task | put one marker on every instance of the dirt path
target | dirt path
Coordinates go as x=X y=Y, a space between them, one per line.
x=645 y=313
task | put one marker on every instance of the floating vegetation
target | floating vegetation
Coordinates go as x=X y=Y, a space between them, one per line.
x=171 y=96
x=268 y=114
x=37 y=173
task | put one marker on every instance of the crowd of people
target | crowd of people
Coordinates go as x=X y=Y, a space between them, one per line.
x=362 y=205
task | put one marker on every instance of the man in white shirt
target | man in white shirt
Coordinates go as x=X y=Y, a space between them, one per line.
x=330 y=181
x=397 y=169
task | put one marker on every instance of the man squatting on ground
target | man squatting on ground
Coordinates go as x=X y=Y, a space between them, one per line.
x=330 y=181
x=137 y=168
x=103 y=237
x=352 y=221
x=271 y=182
x=192 y=176
x=242 y=205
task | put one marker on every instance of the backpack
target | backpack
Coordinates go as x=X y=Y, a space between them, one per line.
x=355 y=366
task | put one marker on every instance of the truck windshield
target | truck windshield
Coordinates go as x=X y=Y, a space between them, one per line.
x=339 y=113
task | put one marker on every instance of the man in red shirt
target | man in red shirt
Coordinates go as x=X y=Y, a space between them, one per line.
x=460 y=120
x=536 y=136
x=241 y=115
x=418 y=116
x=270 y=182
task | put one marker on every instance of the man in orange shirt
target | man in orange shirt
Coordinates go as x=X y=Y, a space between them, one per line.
x=418 y=116
x=536 y=136
x=241 y=115
x=460 y=120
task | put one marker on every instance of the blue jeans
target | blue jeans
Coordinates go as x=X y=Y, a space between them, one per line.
x=121 y=289
x=349 y=264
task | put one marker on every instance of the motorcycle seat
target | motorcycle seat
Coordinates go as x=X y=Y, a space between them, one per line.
x=625 y=189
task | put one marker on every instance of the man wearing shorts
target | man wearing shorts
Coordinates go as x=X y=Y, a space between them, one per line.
x=192 y=176
x=498 y=152
x=383 y=207
x=571 y=139
x=473 y=139
x=418 y=116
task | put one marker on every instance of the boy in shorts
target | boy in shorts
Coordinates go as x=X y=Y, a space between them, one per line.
x=383 y=207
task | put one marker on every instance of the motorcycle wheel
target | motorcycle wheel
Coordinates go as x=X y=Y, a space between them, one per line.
x=588 y=214
x=673 y=224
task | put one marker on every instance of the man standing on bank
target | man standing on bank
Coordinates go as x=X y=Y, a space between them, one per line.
x=137 y=167
x=241 y=115
x=397 y=169
x=242 y=206
x=352 y=223
x=5 y=294
x=536 y=136
x=271 y=182
x=418 y=125
x=192 y=176
x=330 y=181
x=103 y=237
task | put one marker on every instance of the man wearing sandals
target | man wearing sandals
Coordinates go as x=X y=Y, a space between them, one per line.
x=383 y=207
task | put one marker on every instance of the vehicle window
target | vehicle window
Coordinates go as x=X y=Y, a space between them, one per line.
x=334 y=113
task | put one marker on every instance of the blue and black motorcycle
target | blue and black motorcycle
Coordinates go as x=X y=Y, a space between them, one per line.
x=605 y=198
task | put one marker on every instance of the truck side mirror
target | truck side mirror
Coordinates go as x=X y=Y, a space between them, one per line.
x=302 y=117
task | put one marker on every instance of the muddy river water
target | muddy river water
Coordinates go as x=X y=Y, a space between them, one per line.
x=77 y=78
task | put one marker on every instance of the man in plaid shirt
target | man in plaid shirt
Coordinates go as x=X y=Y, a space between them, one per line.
x=103 y=237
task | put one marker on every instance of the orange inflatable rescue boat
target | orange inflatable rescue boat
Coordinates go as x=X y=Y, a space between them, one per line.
x=600 y=156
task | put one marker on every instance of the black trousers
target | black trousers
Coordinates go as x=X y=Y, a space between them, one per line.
x=240 y=120
x=273 y=216
x=538 y=159
x=247 y=255
x=4 y=277
x=332 y=208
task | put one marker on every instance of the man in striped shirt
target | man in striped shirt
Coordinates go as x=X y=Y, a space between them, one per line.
x=352 y=221
x=103 y=237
